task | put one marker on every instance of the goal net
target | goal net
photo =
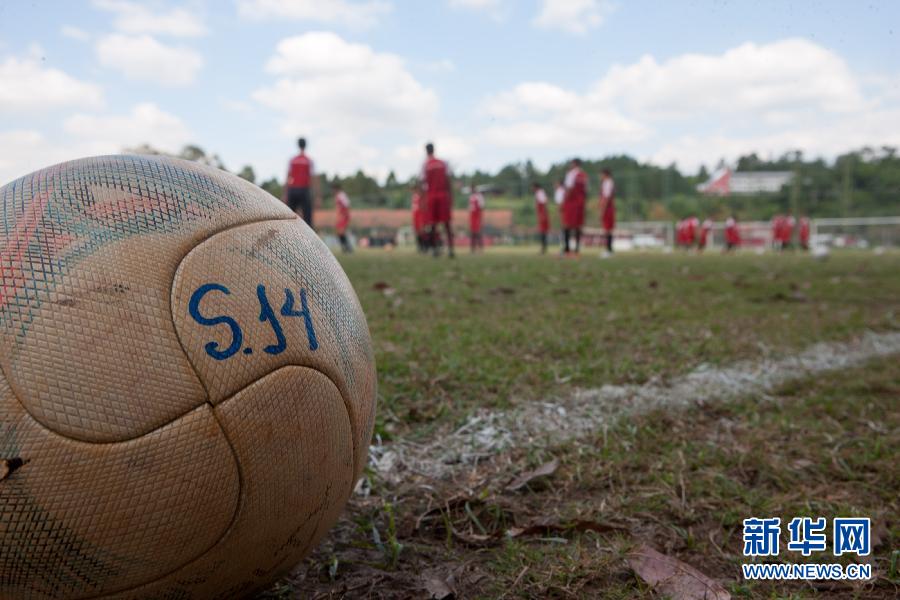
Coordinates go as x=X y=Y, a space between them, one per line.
x=861 y=232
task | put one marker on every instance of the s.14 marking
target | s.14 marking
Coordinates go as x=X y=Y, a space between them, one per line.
x=266 y=314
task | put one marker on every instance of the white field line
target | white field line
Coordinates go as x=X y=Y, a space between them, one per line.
x=589 y=411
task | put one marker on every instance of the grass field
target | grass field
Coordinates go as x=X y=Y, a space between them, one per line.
x=509 y=329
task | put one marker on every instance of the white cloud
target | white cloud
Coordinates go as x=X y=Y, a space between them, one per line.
x=768 y=98
x=540 y=114
x=496 y=9
x=340 y=93
x=146 y=123
x=365 y=13
x=573 y=16
x=74 y=33
x=25 y=150
x=135 y=18
x=785 y=75
x=530 y=98
x=443 y=65
x=30 y=87
x=827 y=138
x=143 y=58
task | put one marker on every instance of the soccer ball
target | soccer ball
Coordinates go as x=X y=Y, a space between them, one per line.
x=187 y=385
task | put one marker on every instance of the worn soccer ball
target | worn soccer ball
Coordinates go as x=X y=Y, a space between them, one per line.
x=187 y=385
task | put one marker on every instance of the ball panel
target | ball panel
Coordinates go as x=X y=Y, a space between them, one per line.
x=291 y=435
x=80 y=519
x=98 y=241
x=101 y=361
x=261 y=296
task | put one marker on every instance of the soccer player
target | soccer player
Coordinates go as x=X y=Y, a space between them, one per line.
x=419 y=219
x=705 y=230
x=776 y=232
x=301 y=186
x=438 y=191
x=687 y=231
x=342 y=221
x=608 y=208
x=732 y=234
x=476 y=208
x=573 y=206
x=804 y=233
x=543 y=216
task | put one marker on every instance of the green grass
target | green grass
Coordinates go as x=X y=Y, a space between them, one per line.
x=510 y=327
x=681 y=482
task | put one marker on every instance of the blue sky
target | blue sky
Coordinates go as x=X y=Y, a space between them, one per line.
x=490 y=81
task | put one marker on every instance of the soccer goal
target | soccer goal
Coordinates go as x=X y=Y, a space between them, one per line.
x=859 y=232
x=634 y=235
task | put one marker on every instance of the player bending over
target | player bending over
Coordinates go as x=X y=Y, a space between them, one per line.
x=436 y=186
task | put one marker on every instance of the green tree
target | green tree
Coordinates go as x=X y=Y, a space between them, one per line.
x=247 y=173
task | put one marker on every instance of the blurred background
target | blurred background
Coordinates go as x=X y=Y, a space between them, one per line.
x=796 y=105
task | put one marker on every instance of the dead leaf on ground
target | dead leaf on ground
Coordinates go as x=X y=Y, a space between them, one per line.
x=524 y=479
x=436 y=586
x=670 y=577
x=505 y=291
x=380 y=285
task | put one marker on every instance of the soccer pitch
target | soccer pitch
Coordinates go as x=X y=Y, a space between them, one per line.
x=685 y=393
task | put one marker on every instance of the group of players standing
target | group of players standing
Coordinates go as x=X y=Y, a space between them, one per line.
x=432 y=210
x=432 y=202
x=690 y=232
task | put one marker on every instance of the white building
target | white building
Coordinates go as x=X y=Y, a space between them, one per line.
x=725 y=182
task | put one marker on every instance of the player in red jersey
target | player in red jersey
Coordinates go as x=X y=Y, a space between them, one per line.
x=705 y=231
x=573 y=206
x=476 y=208
x=437 y=186
x=543 y=215
x=804 y=233
x=687 y=231
x=608 y=208
x=693 y=229
x=342 y=220
x=420 y=227
x=732 y=234
x=301 y=189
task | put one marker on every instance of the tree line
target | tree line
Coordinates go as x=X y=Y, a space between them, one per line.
x=864 y=182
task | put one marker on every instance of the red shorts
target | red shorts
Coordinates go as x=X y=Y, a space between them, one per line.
x=438 y=208
x=573 y=214
x=475 y=223
x=609 y=218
